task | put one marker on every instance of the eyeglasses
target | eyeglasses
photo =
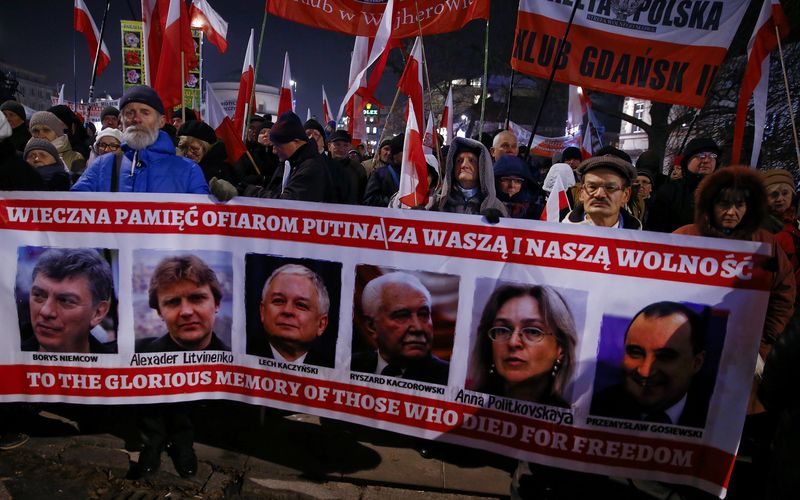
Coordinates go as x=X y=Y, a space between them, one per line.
x=512 y=180
x=529 y=334
x=705 y=156
x=591 y=188
x=39 y=155
x=195 y=150
x=105 y=146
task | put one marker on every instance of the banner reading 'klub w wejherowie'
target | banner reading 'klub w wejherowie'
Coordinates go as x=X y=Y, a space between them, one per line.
x=610 y=351
x=666 y=51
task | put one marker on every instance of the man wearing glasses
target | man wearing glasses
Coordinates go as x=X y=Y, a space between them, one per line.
x=605 y=191
x=673 y=203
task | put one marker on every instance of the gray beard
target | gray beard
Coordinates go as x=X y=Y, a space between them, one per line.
x=138 y=137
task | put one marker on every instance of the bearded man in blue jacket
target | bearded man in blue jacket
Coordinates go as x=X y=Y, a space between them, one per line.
x=148 y=163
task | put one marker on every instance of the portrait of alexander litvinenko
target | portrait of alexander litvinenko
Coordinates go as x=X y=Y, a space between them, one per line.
x=664 y=350
x=294 y=313
x=70 y=294
x=398 y=318
x=186 y=294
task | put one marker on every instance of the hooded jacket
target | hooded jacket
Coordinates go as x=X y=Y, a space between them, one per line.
x=158 y=170
x=528 y=202
x=782 y=294
x=450 y=199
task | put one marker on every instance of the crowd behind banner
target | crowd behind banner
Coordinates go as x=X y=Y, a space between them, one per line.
x=382 y=317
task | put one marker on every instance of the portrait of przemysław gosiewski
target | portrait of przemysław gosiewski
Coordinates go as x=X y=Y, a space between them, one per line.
x=670 y=355
x=186 y=294
x=65 y=301
x=292 y=309
x=405 y=322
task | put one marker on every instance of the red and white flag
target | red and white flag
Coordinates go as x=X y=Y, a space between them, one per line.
x=556 y=202
x=411 y=82
x=244 y=103
x=579 y=105
x=209 y=22
x=286 y=99
x=327 y=115
x=447 y=116
x=85 y=24
x=356 y=125
x=176 y=44
x=756 y=77
x=587 y=148
x=153 y=33
x=382 y=36
x=222 y=124
x=413 y=171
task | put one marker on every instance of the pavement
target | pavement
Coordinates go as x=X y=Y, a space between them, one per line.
x=244 y=451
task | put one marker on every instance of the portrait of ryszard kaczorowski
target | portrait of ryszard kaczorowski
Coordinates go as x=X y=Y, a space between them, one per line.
x=66 y=301
x=292 y=309
x=665 y=368
x=188 y=300
x=404 y=323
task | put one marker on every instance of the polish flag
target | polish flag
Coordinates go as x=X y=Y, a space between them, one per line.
x=153 y=30
x=556 y=202
x=756 y=76
x=411 y=81
x=85 y=24
x=286 y=101
x=429 y=140
x=176 y=43
x=356 y=126
x=413 y=190
x=447 y=116
x=222 y=124
x=587 y=150
x=382 y=36
x=209 y=22
x=327 y=115
x=244 y=105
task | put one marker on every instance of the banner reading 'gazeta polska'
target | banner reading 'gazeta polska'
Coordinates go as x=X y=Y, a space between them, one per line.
x=666 y=51
x=605 y=350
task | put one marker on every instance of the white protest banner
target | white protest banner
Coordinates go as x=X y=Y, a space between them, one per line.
x=657 y=50
x=479 y=317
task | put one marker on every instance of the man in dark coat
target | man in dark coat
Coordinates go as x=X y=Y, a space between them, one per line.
x=385 y=180
x=397 y=307
x=15 y=114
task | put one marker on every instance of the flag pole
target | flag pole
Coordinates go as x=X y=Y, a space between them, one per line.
x=510 y=96
x=560 y=50
x=74 y=69
x=255 y=70
x=430 y=93
x=99 y=49
x=377 y=155
x=183 y=80
x=788 y=95
x=485 y=76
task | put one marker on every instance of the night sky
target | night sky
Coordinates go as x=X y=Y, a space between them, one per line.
x=38 y=35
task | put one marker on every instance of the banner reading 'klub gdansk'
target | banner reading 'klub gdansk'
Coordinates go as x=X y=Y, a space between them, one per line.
x=612 y=351
x=362 y=18
x=666 y=51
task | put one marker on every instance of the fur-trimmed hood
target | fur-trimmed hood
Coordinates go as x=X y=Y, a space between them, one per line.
x=744 y=178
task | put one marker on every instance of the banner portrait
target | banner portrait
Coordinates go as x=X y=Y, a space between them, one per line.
x=523 y=338
x=362 y=18
x=656 y=50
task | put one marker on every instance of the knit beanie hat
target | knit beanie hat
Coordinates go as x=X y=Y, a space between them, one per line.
x=40 y=145
x=144 y=95
x=288 y=128
x=777 y=176
x=313 y=124
x=64 y=114
x=106 y=132
x=198 y=130
x=339 y=135
x=397 y=143
x=109 y=111
x=15 y=107
x=47 y=119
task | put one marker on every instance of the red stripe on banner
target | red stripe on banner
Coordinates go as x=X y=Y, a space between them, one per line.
x=531 y=247
x=359 y=18
x=608 y=62
x=508 y=429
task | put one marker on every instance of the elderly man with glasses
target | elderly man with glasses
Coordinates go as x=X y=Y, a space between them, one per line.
x=673 y=203
x=605 y=190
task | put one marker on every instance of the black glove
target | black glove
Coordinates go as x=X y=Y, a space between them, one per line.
x=492 y=215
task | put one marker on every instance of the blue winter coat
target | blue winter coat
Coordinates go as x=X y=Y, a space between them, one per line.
x=158 y=170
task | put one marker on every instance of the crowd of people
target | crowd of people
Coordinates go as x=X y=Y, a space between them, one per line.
x=136 y=150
